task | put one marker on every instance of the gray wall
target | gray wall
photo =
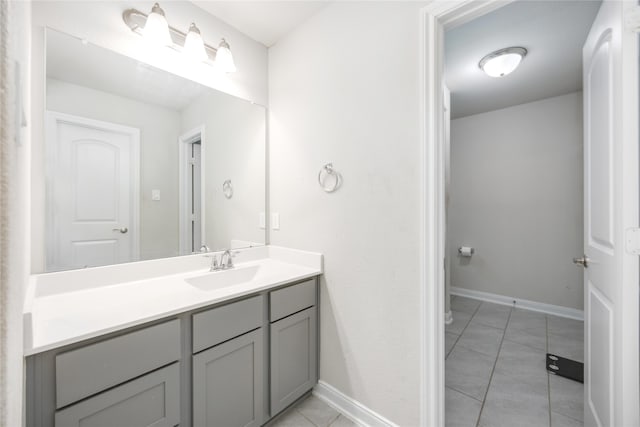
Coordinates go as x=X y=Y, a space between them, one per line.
x=236 y=150
x=344 y=88
x=516 y=197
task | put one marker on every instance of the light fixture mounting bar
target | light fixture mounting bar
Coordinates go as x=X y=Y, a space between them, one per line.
x=136 y=20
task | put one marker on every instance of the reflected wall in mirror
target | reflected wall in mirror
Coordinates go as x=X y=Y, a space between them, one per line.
x=143 y=164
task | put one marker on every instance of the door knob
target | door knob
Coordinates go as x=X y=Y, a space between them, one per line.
x=584 y=261
x=122 y=230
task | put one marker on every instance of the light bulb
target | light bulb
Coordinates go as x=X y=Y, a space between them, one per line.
x=156 y=29
x=194 y=45
x=503 y=61
x=224 y=58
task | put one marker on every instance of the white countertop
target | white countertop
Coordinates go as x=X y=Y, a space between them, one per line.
x=66 y=307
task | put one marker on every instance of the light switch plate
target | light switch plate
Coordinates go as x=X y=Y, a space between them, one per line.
x=275 y=221
x=155 y=195
x=262 y=220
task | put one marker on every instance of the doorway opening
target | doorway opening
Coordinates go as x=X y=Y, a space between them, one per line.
x=192 y=221
x=610 y=287
x=513 y=214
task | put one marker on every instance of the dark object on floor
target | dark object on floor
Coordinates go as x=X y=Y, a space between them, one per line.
x=565 y=367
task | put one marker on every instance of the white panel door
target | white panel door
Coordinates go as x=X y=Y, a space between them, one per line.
x=611 y=207
x=93 y=193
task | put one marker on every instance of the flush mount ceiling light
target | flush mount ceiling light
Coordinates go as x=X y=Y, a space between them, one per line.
x=154 y=27
x=503 y=61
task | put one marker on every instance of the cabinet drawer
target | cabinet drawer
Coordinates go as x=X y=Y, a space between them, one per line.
x=151 y=400
x=292 y=299
x=220 y=324
x=96 y=367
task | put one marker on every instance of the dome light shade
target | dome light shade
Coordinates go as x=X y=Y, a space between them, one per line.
x=156 y=29
x=503 y=61
x=194 y=45
x=224 y=59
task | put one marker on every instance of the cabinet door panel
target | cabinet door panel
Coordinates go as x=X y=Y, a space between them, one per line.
x=149 y=401
x=228 y=383
x=293 y=358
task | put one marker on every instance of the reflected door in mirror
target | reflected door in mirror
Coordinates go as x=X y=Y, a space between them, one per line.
x=92 y=211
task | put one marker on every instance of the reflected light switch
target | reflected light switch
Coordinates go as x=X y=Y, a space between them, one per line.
x=262 y=221
x=155 y=194
x=275 y=221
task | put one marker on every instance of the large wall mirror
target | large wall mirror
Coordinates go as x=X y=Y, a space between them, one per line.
x=143 y=164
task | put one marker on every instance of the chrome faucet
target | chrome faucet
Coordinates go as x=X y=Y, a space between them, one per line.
x=215 y=266
x=229 y=263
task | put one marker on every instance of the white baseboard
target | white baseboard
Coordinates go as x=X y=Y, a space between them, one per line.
x=350 y=408
x=448 y=318
x=556 y=310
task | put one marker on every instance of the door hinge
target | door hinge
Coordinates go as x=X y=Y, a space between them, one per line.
x=632 y=19
x=632 y=239
x=192 y=161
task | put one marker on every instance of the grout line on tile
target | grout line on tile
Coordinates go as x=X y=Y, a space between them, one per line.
x=462 y=332
x=495 y=362
x=462 y=393
x=331 y=421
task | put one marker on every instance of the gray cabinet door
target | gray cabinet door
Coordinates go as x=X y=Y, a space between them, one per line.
x=293 y=358
x=228 y=383
x=152 y=400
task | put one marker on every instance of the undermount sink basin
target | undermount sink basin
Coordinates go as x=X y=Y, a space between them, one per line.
x=224 y=278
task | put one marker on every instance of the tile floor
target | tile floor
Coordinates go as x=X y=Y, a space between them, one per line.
x=495 y=367
x=312 y=412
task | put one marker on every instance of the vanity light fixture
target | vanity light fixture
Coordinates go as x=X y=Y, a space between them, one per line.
x=224 y=59
x=503 y=61
x=194 y=45
x=155 y=27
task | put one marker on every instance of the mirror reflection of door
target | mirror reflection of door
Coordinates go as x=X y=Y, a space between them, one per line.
x=93 y=169
x=194 y=194
x=191 y=178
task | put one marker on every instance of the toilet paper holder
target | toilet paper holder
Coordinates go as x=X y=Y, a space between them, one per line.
x=465 y=251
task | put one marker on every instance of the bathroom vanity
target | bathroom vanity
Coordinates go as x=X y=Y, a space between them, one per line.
x=174 y=344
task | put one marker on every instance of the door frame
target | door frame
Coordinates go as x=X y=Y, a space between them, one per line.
x=435 y=18
x=184 y=141
x=52 y=119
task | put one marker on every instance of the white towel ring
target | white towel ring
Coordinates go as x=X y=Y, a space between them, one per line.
x=326 y=172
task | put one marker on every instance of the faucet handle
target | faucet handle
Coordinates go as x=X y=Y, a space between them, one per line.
x=204 y=249
x=232 y=255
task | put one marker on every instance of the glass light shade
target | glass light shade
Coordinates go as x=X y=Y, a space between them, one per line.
x=502 y=62
x=194 y=45
x=156 y=29
x=224 y=59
